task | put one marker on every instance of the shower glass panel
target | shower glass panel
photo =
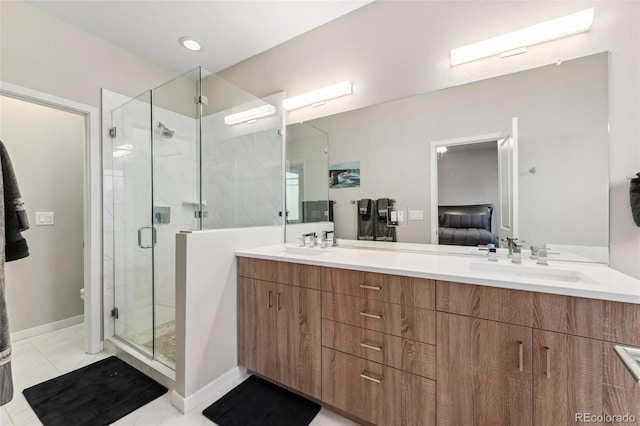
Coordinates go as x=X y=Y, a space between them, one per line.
x=242 y=158
x=133 y=235
x=176 y=124
x=195 y=153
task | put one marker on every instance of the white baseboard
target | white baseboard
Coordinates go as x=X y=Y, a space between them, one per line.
x=45 y=328
x=209 y=393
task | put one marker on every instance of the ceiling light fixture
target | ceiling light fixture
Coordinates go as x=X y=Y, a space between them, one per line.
x=516 y=42
x=190 y=43
x=318 y=97
x=250 y=116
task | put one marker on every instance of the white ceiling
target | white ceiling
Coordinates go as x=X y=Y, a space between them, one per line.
x=229 y=31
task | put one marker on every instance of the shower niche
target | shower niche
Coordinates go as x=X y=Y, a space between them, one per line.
x=186 y=156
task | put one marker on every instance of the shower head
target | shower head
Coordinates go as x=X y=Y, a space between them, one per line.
x=165 y=131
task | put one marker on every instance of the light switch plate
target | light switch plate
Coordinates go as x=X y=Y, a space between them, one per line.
x=44 y=218
x=416 y=215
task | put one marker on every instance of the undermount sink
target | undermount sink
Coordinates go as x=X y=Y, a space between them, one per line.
x=304 y=251
x=533 y=271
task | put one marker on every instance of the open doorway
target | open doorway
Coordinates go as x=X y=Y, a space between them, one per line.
x=475 y=176
x=50 y=143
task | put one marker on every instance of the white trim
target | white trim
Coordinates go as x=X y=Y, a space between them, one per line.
x=92 y=204
x=434 y=170
x=46 y=328
x=211 y=392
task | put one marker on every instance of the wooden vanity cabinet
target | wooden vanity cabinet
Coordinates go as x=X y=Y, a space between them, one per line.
x=484 y=372
x=279 y=332
x=566 y=371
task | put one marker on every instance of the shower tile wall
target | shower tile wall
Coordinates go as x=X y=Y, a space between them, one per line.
x=241 y=173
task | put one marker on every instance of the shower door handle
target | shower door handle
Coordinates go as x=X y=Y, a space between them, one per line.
x=153 y=237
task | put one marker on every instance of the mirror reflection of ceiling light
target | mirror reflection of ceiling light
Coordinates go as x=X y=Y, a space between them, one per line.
x=250 y=116
x=516 y=42
x=190 y=43
x=318 y=97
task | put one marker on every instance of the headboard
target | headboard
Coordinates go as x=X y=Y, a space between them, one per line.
x=470 y=209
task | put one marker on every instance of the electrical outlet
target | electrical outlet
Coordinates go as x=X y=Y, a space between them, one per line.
x=44 y=218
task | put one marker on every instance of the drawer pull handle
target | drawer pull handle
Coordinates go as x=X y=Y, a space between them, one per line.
x=373 y=379
x=269 y=304
x=370 y=287
x=548 y=372
x=278 y=301
x=366 y=314
x=520 y=356
x=375 y=348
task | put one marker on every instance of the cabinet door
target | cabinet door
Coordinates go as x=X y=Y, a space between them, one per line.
x=483 y=372
x=256 y=326
x=576 y=376
x=299 y=339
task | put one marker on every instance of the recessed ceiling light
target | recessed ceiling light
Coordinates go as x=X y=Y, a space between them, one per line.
x=190 y=44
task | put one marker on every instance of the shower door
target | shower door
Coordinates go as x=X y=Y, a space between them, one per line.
x=134 y=235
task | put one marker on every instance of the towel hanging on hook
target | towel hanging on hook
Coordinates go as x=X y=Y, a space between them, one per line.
x=634 y=197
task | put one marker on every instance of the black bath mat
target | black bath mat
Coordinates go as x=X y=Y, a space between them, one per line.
x=257 y=402
x=98 y=394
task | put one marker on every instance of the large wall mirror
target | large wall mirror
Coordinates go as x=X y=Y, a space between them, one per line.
x=559 y=193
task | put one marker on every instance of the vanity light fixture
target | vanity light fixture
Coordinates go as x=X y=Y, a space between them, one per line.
x=318 y=97
x=190 y=44
x=250 y=116
x=516 y=42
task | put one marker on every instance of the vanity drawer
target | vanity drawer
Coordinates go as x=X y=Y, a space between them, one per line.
x=282 y=272
x=616 y=322
x=416 y=292
x=375 y=393
x=404 y=354
x=398 y=320
x=496 y=304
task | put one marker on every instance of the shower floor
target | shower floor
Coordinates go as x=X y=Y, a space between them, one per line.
x=165 y=347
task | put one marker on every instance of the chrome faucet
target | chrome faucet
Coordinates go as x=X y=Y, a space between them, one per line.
x=334 y=241
x=512 y=243
x=313 y=239
x=541 y=254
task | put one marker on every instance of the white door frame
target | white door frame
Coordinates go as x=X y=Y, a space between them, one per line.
x=92 y=204
x=433 y=154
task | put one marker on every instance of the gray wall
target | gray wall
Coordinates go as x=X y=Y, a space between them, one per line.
x=392 y=49
x=470 y=177
x=46 y=147
x=42 y=52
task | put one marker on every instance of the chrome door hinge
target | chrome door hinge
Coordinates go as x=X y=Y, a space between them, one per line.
x=114 y=313
x=112 y=132
x=201 y=100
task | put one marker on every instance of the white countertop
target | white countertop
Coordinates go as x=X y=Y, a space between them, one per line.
x=595 y=281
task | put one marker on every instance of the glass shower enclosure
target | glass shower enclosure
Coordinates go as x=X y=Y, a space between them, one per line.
x=188 y=155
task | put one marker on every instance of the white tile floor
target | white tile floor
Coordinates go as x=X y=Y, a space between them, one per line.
x=49 y=355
